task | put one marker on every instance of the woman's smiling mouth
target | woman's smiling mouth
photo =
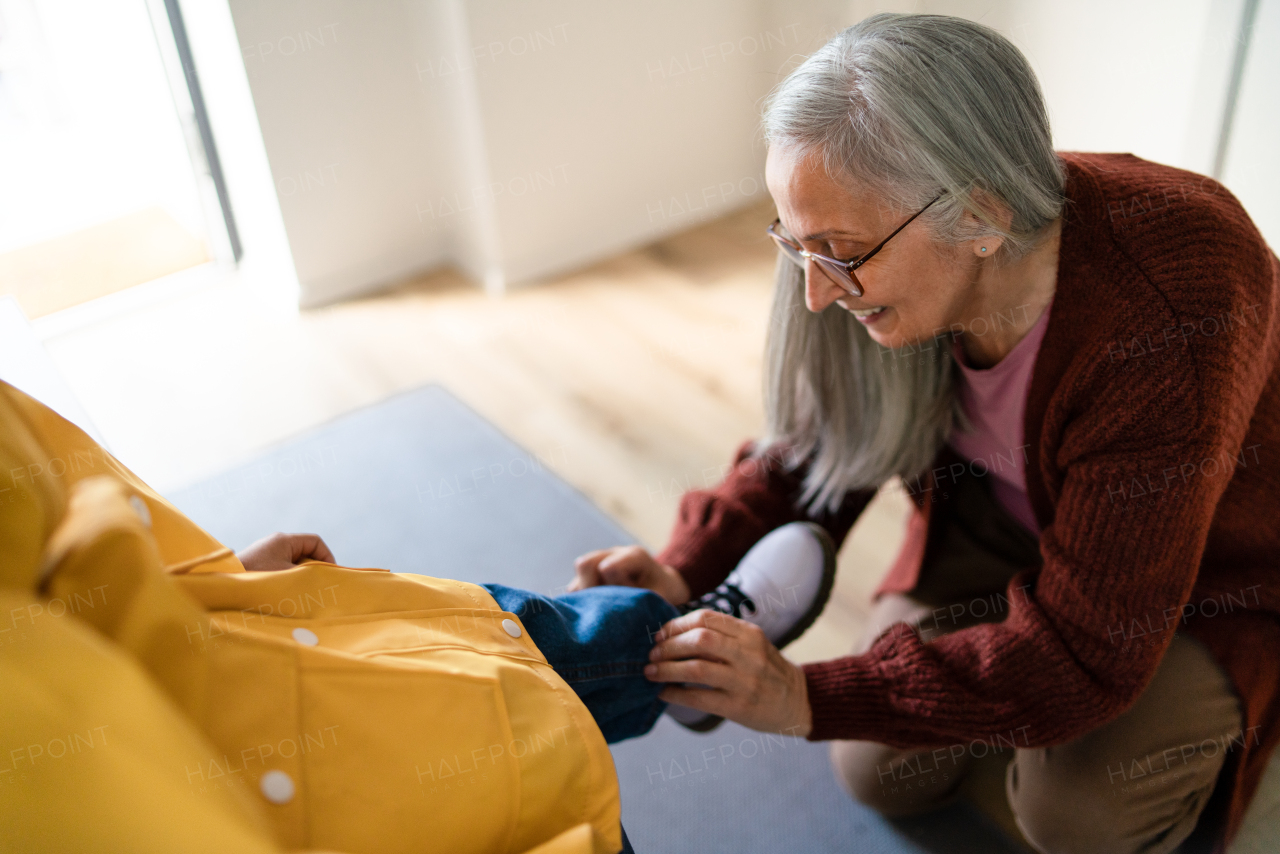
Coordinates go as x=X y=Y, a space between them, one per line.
x=868 y=315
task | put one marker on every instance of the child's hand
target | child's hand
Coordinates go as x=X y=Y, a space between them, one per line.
x=284 y=551
x=629 y=566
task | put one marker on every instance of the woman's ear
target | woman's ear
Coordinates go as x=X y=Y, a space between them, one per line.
x=995 y=217
x=987 y=247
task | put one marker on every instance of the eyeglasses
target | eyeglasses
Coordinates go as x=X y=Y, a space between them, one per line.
x=841 y=272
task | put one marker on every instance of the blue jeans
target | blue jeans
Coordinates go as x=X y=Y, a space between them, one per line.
x=598 y=640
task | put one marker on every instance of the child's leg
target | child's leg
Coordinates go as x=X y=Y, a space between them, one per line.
x=598 y=640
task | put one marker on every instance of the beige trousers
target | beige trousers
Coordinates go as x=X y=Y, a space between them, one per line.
x=1136 y=784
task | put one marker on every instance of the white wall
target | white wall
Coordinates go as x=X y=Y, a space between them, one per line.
x=1253 y=157
x=350 y=144
x=512 y=140
x=1151 y=77
x=621 y=123
x=520 y=140
x=1118 y=76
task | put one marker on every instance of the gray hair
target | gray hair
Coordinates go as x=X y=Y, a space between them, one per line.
x=908 y=106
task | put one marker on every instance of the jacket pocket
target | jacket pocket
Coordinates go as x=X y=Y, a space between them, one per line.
x=417 y=762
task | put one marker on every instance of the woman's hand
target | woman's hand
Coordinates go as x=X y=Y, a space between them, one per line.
x=748 y=679
x=629 y=566
x=284 y=551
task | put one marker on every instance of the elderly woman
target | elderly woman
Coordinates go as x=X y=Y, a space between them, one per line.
x=1070 y=363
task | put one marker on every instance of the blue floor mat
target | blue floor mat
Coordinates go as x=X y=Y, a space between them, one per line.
x=420 y=483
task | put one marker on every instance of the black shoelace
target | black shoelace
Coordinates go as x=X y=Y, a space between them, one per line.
x=727 y=599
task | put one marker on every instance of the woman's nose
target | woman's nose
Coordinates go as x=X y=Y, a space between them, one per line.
x=819 y=290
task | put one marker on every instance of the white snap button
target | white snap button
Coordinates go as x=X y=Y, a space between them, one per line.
x=512 y=628
x=140 y=507
x=306 y=637
x=276 y=787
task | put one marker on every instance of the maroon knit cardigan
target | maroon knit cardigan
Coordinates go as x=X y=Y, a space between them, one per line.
x=1153 y=419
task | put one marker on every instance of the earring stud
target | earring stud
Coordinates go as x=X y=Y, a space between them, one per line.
x=984 y=249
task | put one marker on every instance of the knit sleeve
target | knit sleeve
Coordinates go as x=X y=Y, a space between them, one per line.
x=1144 y=465
x=716 y=527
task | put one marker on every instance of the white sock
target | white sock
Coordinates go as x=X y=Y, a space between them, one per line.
x=781 y=574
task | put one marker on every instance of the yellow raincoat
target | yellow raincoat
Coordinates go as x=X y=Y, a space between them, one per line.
x=154 y=696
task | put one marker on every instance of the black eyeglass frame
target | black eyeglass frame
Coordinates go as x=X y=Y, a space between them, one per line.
x=839 y=270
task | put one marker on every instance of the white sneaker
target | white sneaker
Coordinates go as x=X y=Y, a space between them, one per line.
x=781 y=585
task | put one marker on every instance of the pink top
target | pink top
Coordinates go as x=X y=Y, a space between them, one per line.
x=995 y=400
